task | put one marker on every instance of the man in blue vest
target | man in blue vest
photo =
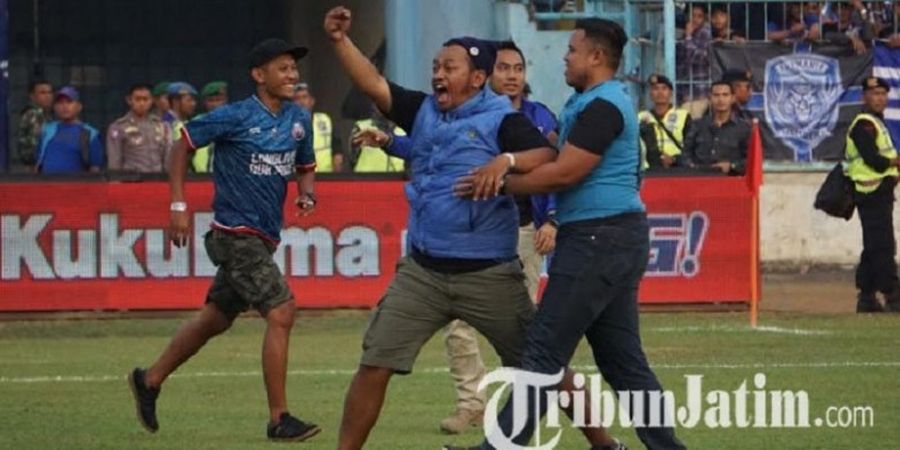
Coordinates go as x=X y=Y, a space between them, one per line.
x=462 y=261
x=603 y=241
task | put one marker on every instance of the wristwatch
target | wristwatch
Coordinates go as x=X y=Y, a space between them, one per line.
x=178 y=207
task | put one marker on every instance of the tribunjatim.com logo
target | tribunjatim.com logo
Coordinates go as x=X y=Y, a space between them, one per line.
x=749 y=405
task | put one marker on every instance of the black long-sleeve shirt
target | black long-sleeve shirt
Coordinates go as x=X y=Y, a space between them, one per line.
x=708 y=143
x=863 y=135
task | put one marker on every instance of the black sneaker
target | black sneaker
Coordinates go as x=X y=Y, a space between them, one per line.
x=892 y=301
x=617 y=446
x=291 y=429
x=144 y=399
x=868 y=303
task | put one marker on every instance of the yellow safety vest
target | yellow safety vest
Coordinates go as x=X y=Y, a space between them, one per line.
x=201 y=160
x=644 y=164
x=674 y=120
x=322 y=131
x=866 y=178
x=176 y=130
x=374 y=159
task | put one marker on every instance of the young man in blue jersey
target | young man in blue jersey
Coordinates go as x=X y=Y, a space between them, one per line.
x=261 y=143
x=603 y=241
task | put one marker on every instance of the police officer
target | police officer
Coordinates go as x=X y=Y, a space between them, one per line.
x=741 y=85
x=871 y=162
x=183 y=103
x=324 y=141
x=138 y=141
x=664 y=127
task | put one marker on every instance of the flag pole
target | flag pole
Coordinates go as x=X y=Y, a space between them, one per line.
x=754 y=260
x=755 y=181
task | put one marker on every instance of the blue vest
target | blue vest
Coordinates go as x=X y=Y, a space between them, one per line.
x=613 y=187
x=446 y=146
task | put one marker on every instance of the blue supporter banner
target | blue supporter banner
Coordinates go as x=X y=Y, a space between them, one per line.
x=887 y=66
x=805 y=99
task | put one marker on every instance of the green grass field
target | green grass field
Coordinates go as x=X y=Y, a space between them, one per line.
x=218 y=402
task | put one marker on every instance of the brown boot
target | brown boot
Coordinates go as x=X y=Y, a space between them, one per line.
x=461 y=420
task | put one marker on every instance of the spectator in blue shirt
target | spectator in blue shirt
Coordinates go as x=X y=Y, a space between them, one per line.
x=67 y=145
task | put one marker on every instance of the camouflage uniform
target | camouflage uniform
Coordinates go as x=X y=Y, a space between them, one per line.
x=29 y=133
x=138 y=145
x=247 y=277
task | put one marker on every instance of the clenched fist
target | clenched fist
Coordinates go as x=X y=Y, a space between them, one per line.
x=337 y=23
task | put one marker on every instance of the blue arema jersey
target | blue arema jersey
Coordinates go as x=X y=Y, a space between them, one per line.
x=256 y=155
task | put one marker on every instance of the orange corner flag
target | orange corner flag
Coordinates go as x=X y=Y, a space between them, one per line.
x=755 y=159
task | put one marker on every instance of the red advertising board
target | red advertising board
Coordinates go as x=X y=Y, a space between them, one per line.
x=102 y=246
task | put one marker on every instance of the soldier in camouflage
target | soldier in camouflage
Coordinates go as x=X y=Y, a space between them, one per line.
x=40 y=96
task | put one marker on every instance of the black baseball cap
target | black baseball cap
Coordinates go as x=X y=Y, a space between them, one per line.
x=732 y=75
x=659 y=79
x=875 y=82
x=270 y=49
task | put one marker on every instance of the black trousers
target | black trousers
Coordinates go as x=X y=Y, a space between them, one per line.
x=592 y=293
x=877 y=270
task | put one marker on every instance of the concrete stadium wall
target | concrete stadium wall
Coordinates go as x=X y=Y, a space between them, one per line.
x=416 y=29
x=795 y=235
x=325 y=76
x=544 y=51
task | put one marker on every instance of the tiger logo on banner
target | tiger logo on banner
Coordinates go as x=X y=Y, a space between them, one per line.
x=802 y=95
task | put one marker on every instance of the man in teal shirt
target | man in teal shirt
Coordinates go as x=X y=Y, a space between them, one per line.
x=602 y=245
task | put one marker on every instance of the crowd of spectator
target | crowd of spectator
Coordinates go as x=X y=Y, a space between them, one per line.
x=856 y=24
x=52 y=139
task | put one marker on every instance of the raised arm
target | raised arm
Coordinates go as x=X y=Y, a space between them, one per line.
x=362 y=72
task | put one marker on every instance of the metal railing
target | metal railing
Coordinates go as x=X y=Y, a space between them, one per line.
x=658 y=29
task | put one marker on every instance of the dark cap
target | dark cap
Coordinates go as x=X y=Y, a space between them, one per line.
x=270 y=49
x=181 y=88
x=732 y=75
x=482 y=53
x=660 y=79
x=161 y=88
x=875 y=82
x=68 y=92
x=214 y=88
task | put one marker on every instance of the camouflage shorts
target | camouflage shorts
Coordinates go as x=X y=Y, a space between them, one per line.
x=247 y=277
